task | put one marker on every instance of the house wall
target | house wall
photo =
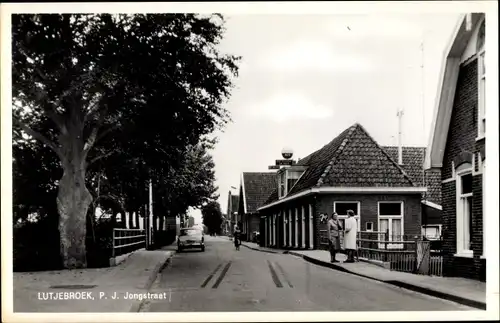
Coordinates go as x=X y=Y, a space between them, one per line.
x=283 y=210
x=324 y=203
x=462 y=138
x=369 y=209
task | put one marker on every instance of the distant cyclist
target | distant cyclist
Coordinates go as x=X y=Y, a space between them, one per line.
x=236 y=233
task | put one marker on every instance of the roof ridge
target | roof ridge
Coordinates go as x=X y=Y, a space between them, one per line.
x=388 y=156
x=339 y=151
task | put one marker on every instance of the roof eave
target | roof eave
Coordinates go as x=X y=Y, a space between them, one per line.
x=351 y=190
x=446 y=92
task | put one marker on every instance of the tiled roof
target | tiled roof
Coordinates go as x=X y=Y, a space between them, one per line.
x=235 y=199
x=352 y=159
x=433 y=183
x=258 y=186
x=413 y=161
x=317 y=162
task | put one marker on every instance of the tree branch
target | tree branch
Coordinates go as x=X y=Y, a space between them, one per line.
x=38 y=136
x=107 y=131
x=93 y=160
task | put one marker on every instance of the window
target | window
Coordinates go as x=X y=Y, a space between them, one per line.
x=282 y=183
x=287 y=179
x=481 y=81
x=464 y=212
x=369 y=226
x=390 y=223
x=342 y=207
x=431 y=232
x=291 y=178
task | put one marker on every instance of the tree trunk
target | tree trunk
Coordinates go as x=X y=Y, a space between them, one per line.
x=73 y=201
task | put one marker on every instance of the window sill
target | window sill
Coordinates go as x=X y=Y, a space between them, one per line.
x=464 y=255
x=482 y=257
x=479 y=138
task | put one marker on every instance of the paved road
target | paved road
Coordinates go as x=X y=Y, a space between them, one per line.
x=223 y=279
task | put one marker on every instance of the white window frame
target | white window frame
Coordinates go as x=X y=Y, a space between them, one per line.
x=296 y=227
x=282 y=183
x=283 y=213
x=283 y=188
x=303 y=227
x=460 y=172
x=481 y=89
x=483 y=256
x=366 y=226
x=481 y=82
x=311 y=227
x=344 y=216
x=389 y=224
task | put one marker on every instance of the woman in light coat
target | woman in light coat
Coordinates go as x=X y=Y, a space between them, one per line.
x=351 y=232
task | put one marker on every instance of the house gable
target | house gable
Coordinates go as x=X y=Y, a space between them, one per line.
x=363 y=163
x=256 y=188
x=338 y=164
x=454 y=56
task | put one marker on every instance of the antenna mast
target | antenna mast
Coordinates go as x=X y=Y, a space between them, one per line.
x=423 y=107
x=400 y=146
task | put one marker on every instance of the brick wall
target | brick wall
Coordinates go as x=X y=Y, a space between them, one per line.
x=463 y=124
x=462 y=138
x=369 y=208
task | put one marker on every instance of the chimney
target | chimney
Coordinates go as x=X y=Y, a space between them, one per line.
x=400 y=146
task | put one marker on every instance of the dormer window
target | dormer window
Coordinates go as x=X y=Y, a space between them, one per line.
x=287 y=177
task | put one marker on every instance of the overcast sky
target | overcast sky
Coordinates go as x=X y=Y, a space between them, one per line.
x=305 y=78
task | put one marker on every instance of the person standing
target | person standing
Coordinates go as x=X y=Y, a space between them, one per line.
x=237 y=232
x=334 y=229
x=351 y=232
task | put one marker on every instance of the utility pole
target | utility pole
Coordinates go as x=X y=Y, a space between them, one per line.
x=149 y=216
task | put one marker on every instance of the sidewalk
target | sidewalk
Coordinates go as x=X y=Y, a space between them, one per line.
x=461 y=290
x=104 y=289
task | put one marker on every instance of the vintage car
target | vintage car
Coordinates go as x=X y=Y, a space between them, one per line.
x=190 y=238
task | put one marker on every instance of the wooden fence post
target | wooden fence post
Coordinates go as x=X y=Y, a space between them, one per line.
x=415 y=269
x=113 y=249
x=386 y=239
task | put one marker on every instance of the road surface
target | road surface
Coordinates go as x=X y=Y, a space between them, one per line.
x=223 y=279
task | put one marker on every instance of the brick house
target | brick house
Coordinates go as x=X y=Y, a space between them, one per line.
x=351 y=172
x=255 y=187
x=457 y=149
x=232 y=210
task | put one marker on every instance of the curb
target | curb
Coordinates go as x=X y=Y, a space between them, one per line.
x=136 y=306
x=268 y=251
x=400 y=284
x=435 y=293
